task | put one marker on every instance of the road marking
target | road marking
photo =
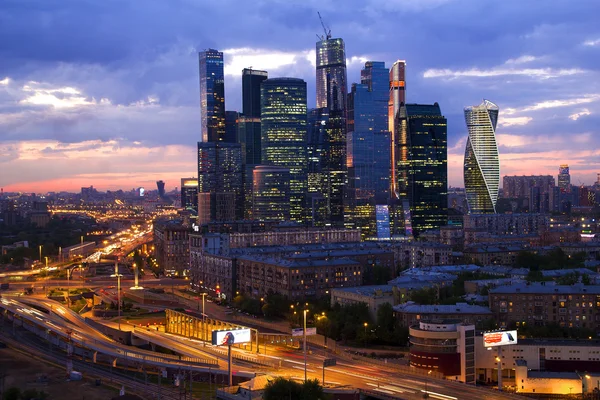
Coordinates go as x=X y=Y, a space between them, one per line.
x=351 y=374
x=439 y=395
x=386 y=387
x=302 y=368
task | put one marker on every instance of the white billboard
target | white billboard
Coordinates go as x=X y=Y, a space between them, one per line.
x=493 y=339
x=231 y=336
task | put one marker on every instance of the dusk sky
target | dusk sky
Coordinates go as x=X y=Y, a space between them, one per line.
x=106 y=92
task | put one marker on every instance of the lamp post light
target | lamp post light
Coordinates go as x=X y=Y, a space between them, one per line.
x=304 y=334
x=46 y=257
x=41 y=253
x=118 y=276
x=365 y=339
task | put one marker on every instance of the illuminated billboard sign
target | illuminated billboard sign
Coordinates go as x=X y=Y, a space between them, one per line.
x=231 y=336
x=493 y=339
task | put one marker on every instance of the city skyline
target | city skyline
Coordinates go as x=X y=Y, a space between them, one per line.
x=120 y=110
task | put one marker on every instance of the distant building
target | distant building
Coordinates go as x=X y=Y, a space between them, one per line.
x=519 y=186
x=161 y=188
x=482 y=164
x=564 y=178
x=212 y=95
x=410 y=313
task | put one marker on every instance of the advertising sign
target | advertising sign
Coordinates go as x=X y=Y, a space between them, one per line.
x=231 y=336
x=300 y=331
x=493 y=339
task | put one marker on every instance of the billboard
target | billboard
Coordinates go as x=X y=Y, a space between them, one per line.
x=493 y=339
x=231 y=336
x=300 y=331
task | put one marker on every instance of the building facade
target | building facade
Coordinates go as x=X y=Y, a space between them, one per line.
x=482 y=163
x=271 y=193
x=220 y=196
x=284 y=136
x=422 y=166
x=212 y=95
x=189 y=194
x=373 y=296
x=564 y=178
x=520 y=186
x=172 y=247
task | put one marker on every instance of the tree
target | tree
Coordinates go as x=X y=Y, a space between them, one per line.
x=376 y=275
x=283 y=388
x=12 y=393
x=424 y=296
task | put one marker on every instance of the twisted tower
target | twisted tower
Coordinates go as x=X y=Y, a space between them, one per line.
x=482 y=164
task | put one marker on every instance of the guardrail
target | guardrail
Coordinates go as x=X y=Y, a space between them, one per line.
x=248 y=358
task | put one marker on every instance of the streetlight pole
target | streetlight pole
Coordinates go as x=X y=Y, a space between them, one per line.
x=304 y=334
x=40 y=253
x=118 y=276
x=365 y=339
x=203 y=320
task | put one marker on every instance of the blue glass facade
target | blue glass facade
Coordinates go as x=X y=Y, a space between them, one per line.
x=212 y=95
x=284 y=135
x=368 y=150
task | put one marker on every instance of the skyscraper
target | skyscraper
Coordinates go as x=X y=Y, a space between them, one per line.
x=482 y=163
x=231 y=126
x=422 y=166
x=284 y=136
x=189 y=194
x=368 y=149
x=212 y=95
x=564 y=178
x=331 y=74
x=397 y=97
x=332 y=90
x=271 y=193
x=160 y=185
x=219 y=182
x=251 y=80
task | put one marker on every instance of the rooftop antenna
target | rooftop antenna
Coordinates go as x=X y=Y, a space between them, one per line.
x=326 y=29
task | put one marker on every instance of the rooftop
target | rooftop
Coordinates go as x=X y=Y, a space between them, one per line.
x=371 y=291
x=458 y=308
x=546 y=288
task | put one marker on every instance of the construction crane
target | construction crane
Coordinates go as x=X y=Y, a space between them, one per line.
x=326 y=29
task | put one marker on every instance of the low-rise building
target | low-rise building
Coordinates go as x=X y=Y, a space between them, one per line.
x=258 y=276
x=373 y=296
x=172 y=247
x=505 y=254
x=542 y=303
x=445 y=346
x=422 y=254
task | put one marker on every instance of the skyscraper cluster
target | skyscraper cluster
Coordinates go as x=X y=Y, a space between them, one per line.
x=363 y=158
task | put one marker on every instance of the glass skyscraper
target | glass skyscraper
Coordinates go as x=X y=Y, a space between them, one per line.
x=482 y=163
x=422 y=167
x=271 y=194
x=219 y=182
x=284 y=135
x=332 y=91
x=564 y=178
x=368 y=150
x=397 y=97
x=212 y=95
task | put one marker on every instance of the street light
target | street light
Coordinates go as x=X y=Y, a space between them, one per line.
x=41 y=253
x=365 y=339
x=426 y=395
x=203 y=321
x=304 y=334
x=118 y=276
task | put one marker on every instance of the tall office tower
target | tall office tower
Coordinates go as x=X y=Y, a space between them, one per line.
x=368 y=151
x=212 y=95
x=564 y=178
x=397 y=97
x=249 y=130
x=332 y=90
x=482 y=163
x=161 y=188
x=271 y=194
x=316 y=149
x=422 y=167
x=189 y=194
x=219 y=182
x=231 y=126
x=283 y=139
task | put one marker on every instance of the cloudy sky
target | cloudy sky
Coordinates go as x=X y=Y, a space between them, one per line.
x=105 y=92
